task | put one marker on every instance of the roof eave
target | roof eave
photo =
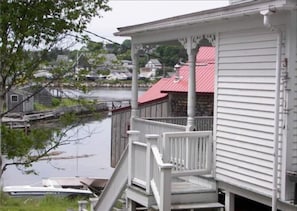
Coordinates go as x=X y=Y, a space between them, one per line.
x=227 y=12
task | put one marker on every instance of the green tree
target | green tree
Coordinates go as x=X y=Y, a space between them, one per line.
x=169 y=55
x=36 y=25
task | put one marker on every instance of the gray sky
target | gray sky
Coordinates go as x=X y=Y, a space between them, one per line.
x=130 y=12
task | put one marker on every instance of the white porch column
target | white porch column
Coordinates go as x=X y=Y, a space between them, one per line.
x=134 y=89
x=192 y=52
x=191 y=45
x=131 y=205
x=229 y=201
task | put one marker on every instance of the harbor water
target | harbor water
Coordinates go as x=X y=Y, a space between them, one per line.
x=93 y=151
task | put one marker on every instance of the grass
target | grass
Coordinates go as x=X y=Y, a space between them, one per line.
x=62 y=102
x=48 y=203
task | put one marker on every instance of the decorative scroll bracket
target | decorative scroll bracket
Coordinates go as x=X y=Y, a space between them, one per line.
x=192 y=42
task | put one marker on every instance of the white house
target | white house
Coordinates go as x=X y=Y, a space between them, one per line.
x=252 y=150
x=154 y=64
x=150 y=69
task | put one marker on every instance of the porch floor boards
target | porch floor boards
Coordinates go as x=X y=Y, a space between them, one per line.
x=188 y=184
x=194 y=206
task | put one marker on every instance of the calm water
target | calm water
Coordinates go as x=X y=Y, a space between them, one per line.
x=97 y=145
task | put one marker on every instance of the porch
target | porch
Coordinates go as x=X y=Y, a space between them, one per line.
x=170 y=168
x=165 y=167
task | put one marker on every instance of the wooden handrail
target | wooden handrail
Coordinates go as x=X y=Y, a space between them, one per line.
x=159 y=160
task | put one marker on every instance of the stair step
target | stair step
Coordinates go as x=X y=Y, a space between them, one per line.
x=194 y=206
x=189 y=198
x=193 y=189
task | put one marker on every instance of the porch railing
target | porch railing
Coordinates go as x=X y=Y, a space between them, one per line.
x=146 y=126
x=202 y=123
x=154 y=161
x=189 y=152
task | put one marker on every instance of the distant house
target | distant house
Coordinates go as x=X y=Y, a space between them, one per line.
x=146 y=72
x=109 y=59
x=127 y=64
x=83 y=63
x=153 y=64
x=62 y=59
x=41 y=95
x=119 y=75
x=16 y=101
x=150 y=69
x=168 y=98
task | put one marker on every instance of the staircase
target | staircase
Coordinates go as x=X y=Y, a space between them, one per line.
x=115 y=186
x=168 y=174
x=187 y=193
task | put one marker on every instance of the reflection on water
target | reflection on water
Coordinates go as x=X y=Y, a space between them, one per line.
x=96 y=164
x=96 y=146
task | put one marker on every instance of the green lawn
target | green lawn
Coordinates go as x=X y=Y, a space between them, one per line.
x=48 y=203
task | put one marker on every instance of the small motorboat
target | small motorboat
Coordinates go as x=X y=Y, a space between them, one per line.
x=48 y=187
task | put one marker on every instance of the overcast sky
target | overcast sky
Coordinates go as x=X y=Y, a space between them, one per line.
x=131 y=12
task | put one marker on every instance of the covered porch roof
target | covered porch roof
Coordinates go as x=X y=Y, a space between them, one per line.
x=202 y=18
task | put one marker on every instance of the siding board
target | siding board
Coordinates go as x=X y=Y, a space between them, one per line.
x=248 y=119
x=245 y=152
x=249 y=38
x=246 y=59
x=243 y=113
x=247 y=99
x=294 y=127
x=248 y=86
x=259 y=168
x=246 y=172
x=236 y=92
x=246 y=180
x=248 y=45
x=242 y=158
x=248 y=146
x=250 y=73
x=241 y=105
x=248 y=66
x=242 y=139
x=247 y=132
x=256 y=127
x=245 y=109
x=246 y=79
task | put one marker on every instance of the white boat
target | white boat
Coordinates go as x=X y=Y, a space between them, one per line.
x=49 y=187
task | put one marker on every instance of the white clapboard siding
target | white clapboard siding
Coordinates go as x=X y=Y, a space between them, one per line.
x=245 y=109
x=294 y=127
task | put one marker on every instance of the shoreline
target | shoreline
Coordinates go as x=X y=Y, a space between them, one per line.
x=103 y=85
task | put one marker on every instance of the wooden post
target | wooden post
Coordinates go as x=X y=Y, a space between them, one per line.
x=229 y=201
x=165 y=188
x=134 y=88
x=152 y=139
x=133 y=136
x=82 y=205
x=93 y=202
x=131 y=205
x=192 y=52
x=191 y=44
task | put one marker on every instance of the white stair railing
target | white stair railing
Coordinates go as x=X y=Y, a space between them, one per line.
x=136 y=160
x=189 y=152
x=159 y=174
x=152 y=164
x=155 y=127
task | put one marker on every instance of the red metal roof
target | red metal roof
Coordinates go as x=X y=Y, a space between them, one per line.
x=205 y=66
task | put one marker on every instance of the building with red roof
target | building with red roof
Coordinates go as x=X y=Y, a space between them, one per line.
x=178 y=83
x=168 y=98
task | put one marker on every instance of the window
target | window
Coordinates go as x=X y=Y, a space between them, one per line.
x=14 y=98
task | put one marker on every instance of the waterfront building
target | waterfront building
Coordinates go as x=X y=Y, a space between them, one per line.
x=251 y=151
